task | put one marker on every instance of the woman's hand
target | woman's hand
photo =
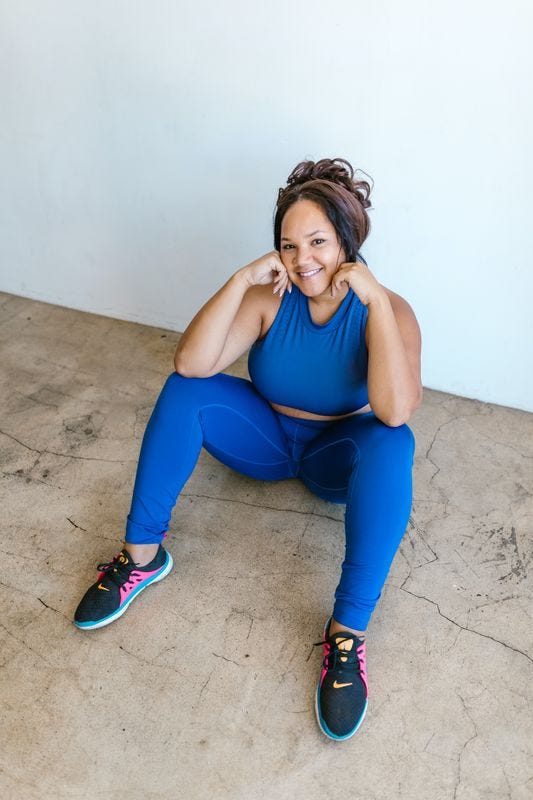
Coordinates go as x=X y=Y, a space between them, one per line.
x=360 y=279
x=268 y=269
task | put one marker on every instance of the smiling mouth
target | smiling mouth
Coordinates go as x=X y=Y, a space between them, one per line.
x=310 y=273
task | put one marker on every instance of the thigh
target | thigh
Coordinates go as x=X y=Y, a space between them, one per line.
x=332 y=459
x=241 y=430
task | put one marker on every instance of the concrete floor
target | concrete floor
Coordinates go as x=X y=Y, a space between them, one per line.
x=205 y=688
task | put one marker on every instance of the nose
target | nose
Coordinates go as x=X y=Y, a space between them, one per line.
x=302 y=257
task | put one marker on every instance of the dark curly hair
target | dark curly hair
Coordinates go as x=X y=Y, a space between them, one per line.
x=330 y=184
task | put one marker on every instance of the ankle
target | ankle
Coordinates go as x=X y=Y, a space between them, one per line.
x=141 y=554
x=336 y=627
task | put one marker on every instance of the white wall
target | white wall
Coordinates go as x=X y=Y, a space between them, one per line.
x=142 y=145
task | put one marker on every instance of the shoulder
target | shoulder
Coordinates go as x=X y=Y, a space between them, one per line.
x=400 y=306
x=405 y=317
x=265 y=305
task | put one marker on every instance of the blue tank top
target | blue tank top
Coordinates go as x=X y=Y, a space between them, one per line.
x=317 y=368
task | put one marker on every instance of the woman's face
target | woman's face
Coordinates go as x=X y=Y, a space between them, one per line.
x=309 y=248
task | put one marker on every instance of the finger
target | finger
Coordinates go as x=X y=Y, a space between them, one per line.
x=282 y=285
x=277 y=280
x=280 y=282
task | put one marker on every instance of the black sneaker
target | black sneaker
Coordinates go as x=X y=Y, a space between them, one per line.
x=342 y=691
x=118 y=584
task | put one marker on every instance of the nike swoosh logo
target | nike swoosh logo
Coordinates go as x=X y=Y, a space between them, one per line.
x=102 y=587
x=340 y=685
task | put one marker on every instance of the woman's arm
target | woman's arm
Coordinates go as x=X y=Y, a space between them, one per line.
x=394 y=351
x=394 y=344
x=230 y=321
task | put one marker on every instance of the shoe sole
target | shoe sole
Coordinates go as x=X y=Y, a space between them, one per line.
x=89 y=626
x=321 y=724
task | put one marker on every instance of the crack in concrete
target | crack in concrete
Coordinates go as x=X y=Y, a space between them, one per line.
x=288 y=665
x=204 y=687
x=300 y=540
x=470 y=630
x=519 y=569
x=496 y=602
x=20 y=474
x=77 y=526
x=227 y=659
x=151 y=663
x=428 y=451
x=465 y=562
x=465 y=745
x=415 y=527
x=35 y=597
x=507 y=446
x=165 y=650
x=259 y=505
x=243 y=613
x=27 y=646
x=454 y=418
x=53 y=609
x=65 y=455
x=270 y=575
x=18 y=555
x=35 y=400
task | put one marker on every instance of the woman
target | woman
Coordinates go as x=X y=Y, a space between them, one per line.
x=335 y=375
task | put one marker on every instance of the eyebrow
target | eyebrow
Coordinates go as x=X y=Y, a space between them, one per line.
x=285 y=239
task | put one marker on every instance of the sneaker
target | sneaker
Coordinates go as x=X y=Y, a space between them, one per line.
x=119 y=582
x=342 y=691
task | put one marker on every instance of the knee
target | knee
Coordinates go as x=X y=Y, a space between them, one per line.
x=195 y=390
x=175 y=383
x=399 y=439
x=180 y=382
x=177 y=388
x=177 y=379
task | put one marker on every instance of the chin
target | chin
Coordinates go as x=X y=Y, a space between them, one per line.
x=313 y=287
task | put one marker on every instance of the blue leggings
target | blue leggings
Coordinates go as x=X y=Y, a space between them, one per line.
x=358 y=461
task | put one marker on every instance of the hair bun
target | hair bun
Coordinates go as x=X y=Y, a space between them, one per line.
x=335 y=170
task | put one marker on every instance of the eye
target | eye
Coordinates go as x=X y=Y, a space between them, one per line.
x=286 y=246
x=319 y=240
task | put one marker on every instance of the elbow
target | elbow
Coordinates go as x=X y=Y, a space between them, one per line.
x=395 y=421
x=183 y=372
x=181 y=366
x=187 y=370
x=401 y=416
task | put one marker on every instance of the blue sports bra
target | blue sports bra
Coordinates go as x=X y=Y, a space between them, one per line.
x=317 y=368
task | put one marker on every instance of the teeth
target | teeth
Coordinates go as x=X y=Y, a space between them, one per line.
x=312 y=272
